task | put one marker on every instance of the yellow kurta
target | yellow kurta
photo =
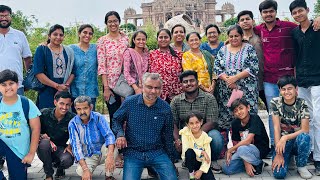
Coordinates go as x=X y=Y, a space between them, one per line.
x=193 y=62
x=198 y=145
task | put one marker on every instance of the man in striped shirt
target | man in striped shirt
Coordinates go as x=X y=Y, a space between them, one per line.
x=91 y=139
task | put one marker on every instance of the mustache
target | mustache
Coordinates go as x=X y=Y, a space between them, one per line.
x=84 y=114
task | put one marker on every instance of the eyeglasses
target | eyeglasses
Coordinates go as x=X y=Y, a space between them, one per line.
x=114 y=21
x=5 y=16
x=212 y=33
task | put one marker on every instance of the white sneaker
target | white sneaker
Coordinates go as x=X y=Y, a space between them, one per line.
x=216 y=168
x=304 y=173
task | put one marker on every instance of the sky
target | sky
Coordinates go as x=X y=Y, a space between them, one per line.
x=69 y=12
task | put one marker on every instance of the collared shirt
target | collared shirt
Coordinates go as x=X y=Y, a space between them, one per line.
x=169 y=67
x=149 y=130
x=13 y=47
x=255 y=41
x=307 y=48
x=110 y=59
x=56 y=130
x=213 y=51
x=204 y=103
x=87 y=139
x=278 y=49
x=85 y=71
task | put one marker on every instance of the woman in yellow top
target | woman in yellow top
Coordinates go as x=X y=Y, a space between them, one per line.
x=196 y=151
x=200 y=61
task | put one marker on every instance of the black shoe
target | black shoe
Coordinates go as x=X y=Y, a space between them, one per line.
x=60 y=174
x=272 y=150
x=259 y=168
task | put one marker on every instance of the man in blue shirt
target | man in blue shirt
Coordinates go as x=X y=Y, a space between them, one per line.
x=89 y=136
x=148 y=138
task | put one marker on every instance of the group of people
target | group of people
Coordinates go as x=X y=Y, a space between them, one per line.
x=274 y=61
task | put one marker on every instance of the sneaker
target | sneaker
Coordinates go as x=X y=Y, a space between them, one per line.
x=191 y=176
x=304 y=173
x=292 y=163
x=317 y=166
x=272 y=150
x=216 y=168
x=259 y=168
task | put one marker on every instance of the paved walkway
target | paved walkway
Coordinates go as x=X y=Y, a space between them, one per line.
x=35 y=172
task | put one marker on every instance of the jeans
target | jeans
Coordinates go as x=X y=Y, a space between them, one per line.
x=216 y=144
x=47 y=156
x=271 y=91
x=300 y=146
x=249 y=153
x=312 y=97
x=112 y=108
x=193 y=165
x=133 y=167
x=17 y=170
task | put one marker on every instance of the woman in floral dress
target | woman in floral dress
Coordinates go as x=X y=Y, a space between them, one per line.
x=110 y=50
x=236 y=67
x=167 y=62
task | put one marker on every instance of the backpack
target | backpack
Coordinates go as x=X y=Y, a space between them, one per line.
x=25 y=106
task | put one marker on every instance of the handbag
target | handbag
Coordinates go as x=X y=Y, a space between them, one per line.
x=236 y=94
x=122 y=87
x=30 y=81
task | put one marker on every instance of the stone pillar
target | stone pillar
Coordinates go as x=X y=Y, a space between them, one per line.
x=135 y=21
x=125 y=21
x=222 y=18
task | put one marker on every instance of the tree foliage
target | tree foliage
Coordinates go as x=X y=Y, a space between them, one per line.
x=231 y=21
x=128 y=27
x=317 y=8
x=22 y=22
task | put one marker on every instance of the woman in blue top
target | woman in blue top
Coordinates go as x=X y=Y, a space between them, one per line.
x=213 y=45
x=85 y=65
x=53 y=66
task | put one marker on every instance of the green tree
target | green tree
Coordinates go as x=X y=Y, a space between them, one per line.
x=231 y=21
x=152 y=36
x=22 y=22
x=129 y=27
x=317 y=8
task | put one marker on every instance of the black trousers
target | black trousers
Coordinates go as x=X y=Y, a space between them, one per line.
x=193 y=165
x=45 y=154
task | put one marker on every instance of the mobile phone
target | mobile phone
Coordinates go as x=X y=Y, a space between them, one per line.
x=112 y=100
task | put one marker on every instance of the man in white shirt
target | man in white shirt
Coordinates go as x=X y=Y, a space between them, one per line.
x=13 y=47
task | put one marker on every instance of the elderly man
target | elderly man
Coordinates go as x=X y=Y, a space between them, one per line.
x=89 y=136
x=148 y=138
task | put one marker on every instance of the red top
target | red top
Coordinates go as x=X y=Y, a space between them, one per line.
x=278 y=50
x=169 y=67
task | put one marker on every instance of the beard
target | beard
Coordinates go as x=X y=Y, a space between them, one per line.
x=5 y=26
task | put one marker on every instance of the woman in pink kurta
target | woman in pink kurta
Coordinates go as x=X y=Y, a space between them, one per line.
x=135 y=61
x=110 y=49
x=166 y=62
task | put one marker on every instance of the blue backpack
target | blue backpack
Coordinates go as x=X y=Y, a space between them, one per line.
x=25 y=106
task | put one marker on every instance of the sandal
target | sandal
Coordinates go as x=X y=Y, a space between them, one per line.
x=60 y=174
x=110 y=178
x=119 y=161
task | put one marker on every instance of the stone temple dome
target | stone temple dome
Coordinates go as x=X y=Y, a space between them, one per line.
x=130 y=11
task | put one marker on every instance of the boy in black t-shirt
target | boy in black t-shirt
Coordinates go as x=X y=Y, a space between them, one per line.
x=250 y=141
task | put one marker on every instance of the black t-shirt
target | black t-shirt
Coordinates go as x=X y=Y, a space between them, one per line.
x=256 y=127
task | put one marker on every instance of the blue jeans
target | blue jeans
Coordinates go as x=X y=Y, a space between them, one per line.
x=17 y=170
x=249 y=153
x=300 y=147
x=271 y=91
x=133 y=167
x=216 y=144
x=312 y=97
